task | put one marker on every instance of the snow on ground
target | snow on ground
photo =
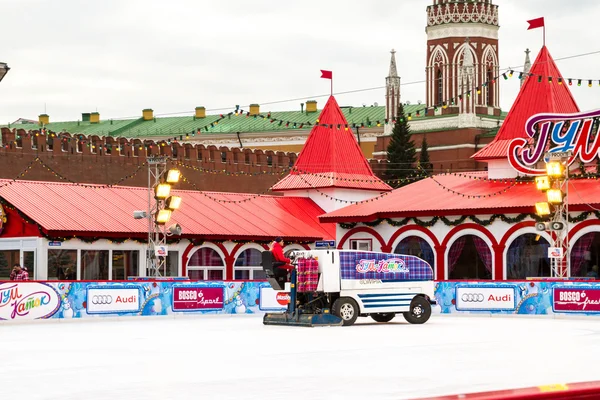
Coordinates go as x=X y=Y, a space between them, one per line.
x=223 y=357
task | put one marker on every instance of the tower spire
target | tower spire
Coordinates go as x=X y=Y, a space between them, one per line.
x=392 y=93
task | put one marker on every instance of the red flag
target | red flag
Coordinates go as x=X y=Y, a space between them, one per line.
x=536 y=23
x=326 y=74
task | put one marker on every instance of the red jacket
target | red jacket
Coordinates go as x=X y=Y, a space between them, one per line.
x=277 y=251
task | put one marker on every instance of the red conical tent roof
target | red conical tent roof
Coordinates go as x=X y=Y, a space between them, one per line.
x=331 y=157
x=535 y=97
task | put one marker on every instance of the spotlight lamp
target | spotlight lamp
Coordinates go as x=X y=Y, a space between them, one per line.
x=542 y=183
x=163 y=216
x=554 y=169
x=555 y=196
x=173 y=203
x=162 y=191
x=542 y=209
x=173 y=176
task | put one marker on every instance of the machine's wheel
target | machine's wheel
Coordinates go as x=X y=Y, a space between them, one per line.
x=347 y=309
x=420 y=311
x=383 y=317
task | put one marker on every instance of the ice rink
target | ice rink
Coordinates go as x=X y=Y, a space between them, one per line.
x=224 y=357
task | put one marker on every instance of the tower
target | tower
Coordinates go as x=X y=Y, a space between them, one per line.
x=392 y=93
x=449 y=24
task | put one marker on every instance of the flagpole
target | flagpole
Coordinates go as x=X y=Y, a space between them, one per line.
x=332 y=84
x=544 y=35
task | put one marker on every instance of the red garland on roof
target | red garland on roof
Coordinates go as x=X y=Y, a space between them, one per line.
x=331 y=157
x=535 y=97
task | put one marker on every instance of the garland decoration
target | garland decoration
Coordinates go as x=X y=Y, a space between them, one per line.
x=483 y=222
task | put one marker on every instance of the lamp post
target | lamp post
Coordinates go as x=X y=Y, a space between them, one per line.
x=4 y=68
x=161 y=205
x=556 y=186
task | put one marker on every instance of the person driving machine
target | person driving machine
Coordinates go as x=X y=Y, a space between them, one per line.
x=281 y=265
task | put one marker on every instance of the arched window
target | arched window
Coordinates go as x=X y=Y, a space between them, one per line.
x=585 y=256
x=206 y=265
x=439 y=88
x=416 y=246
x=469 y=257
x=247 y=266
x=490 y=89
x=527 y=257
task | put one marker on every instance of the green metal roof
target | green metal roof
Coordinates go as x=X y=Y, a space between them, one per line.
x=177 y=126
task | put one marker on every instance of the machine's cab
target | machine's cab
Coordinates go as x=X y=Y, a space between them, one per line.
x=276 y=276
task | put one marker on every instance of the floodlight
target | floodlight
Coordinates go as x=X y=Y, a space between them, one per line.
x=542 y=208
x=162 y=191
x=173 y=203
x=542 y=183
x=555 y=196
x=163 y=216
x=173 y=176
x=554 y=169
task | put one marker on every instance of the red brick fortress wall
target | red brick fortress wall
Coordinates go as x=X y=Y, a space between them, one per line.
x=106 y=160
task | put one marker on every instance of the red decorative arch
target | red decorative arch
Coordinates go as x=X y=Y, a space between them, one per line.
x=408 y=228
x=590 y=222
x=366 y=229
x=513 y=229
x=474 y=227
x=497 y=250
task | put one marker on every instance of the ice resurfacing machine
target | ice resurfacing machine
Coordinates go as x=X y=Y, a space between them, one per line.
x=335 y=287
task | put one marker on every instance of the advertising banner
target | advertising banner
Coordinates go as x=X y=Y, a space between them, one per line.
x=485 y=298
x=198 y=297
x=31 y=301
x=273 y=300
x=383 y=266
x=575 y=300
x=555 y=252
x=113 y=299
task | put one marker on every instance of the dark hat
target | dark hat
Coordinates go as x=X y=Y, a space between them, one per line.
x=278 y=239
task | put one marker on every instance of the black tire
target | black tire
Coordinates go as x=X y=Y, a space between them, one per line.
x=383 y=317
x=347 y=309
x=420 y=311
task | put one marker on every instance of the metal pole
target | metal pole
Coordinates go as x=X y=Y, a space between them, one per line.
x=566 y=241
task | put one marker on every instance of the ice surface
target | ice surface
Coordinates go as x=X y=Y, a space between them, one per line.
x=224 y=357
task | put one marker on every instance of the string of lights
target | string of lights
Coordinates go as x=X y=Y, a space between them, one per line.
x=21 y=174
x=94 y=186
x=247 y=199
x=409 y=83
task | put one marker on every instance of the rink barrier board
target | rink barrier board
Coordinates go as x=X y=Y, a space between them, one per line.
x=582 y=390
x=97 y=299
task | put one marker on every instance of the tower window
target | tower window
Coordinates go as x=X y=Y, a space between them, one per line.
x=490 y=91
x=439 y=88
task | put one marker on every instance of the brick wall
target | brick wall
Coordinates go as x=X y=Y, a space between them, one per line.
x=451 y=159
x=100 y=160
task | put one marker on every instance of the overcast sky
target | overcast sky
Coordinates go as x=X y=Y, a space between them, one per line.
x=120 y=56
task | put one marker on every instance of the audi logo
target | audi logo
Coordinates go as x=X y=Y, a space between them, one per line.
x=472 y=297
x=102 y=299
